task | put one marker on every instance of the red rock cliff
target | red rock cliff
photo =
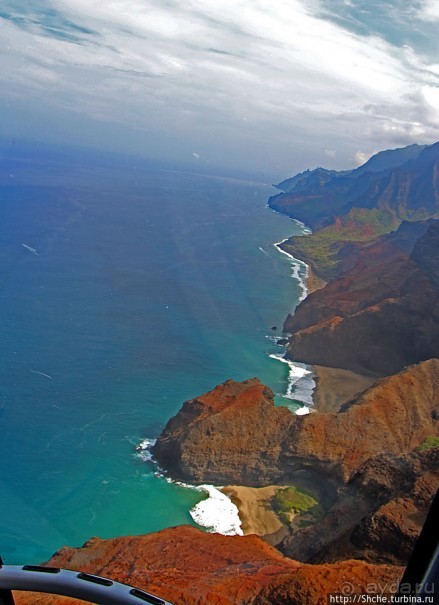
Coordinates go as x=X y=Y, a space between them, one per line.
x=189 y=567
x=235 y=434
x=380 y=314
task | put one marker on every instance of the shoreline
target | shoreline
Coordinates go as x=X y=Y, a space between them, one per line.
x=330 y=388
x=336 y=387
x=325 y=390
x=256 y=511
x=298 y=389
x=296 y=265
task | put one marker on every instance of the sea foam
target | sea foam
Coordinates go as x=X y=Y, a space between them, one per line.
x=217 y=513
x=143 y=449
x=299 y=269
x=301 y=383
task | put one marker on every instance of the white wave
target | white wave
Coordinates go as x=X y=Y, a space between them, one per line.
x=143 y=449
x=274 y=338
x=304 y=390
x=303 y=411
x=301 y=384
x=299 y=270
x=217 y=513
x=306 y=230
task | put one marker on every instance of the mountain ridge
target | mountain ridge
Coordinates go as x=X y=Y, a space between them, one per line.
x=399 y=191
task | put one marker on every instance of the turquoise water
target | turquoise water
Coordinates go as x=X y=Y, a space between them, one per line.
x=144 y=288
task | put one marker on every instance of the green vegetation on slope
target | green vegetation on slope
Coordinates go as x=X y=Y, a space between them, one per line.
x=290 y=500
x=428 y=444
x=321 y=249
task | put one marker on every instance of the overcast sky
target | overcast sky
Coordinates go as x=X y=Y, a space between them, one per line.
x=270 y=85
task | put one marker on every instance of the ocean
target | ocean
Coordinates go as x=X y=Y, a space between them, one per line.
x=125 y=289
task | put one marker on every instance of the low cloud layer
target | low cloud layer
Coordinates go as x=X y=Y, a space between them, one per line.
x=274 y=85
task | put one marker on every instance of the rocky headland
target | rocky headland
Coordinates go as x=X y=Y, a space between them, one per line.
x=381 y=313
x=364 y=464
x=369 y=455
x=236 y=434
x=392 y=186
x=373 y=259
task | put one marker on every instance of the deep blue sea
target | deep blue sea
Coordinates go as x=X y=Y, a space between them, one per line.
x=124 y=291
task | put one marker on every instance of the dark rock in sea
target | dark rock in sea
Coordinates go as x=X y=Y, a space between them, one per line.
x=274 y=327
x=282 y=341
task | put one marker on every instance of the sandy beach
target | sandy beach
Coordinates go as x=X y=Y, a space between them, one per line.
x=255 y=511
x=334 y=387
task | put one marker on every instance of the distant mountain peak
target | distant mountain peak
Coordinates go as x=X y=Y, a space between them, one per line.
x=402 y=184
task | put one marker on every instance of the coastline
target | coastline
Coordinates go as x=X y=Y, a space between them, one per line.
x=330 y=388
x=320 y=389
x=296 y=264
x=239 y=509
x=243 y=510
x=256 y=511
x=301 y=384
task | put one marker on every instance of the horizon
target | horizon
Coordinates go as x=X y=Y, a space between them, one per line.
x=262 y=89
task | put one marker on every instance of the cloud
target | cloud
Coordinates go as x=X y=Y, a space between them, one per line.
x=430 y=10
x=330 y=153
x=361 y=157
x=241 y=79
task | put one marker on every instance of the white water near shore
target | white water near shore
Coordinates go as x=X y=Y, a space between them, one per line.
x=298 y=267
x=301 y=384
x=143 y=450
x=217 y=513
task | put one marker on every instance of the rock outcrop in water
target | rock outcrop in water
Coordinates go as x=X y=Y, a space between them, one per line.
x=189 y=567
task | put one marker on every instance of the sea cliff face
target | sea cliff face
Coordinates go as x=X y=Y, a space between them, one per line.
x=362 y=463
x=189 y=567
x=399 y=184
x=377 y=516
x=235 y=434
x=380 y=314
x=231 y=435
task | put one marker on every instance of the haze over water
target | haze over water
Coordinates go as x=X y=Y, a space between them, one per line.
x=124 y=291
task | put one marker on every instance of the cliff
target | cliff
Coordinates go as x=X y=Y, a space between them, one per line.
x=231 y=435
x=381 y=313
x=236 y=435
x=377 y=516
x=189 y=567
x=361 y=463
x=400 y=184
